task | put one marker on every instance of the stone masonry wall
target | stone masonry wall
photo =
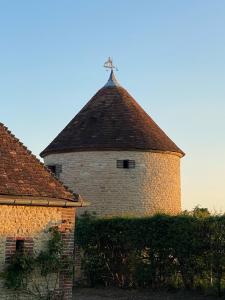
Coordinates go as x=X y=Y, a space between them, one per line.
x=152 y=186
x=31 y=224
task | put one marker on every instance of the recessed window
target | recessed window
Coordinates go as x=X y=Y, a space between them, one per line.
x=20 y=246
x=55 y=169
x=52 y=169
x=126 y=164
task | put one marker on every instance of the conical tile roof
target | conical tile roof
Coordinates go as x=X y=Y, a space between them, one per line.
x=22 y=174
x=112 y=120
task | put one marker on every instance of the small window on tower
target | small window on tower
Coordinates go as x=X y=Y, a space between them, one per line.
x=52 y=169
x=126 y=164
x=55 y=169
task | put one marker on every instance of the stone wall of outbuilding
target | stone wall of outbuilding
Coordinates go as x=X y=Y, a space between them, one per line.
x=153 y=186
x=31 y=224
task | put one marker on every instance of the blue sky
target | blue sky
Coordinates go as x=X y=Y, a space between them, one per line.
x=170 y=56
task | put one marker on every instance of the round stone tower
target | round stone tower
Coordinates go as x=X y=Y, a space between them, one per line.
x=117 y=157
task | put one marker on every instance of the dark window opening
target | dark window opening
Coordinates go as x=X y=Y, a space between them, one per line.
x=55 y=169
x=52 y=169
x=20 y=246
x=126 y=164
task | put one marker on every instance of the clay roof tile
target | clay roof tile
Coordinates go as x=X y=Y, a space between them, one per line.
x=112 y=120
x=22 y=174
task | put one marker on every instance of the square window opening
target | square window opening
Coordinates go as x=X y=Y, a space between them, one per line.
x=52 y=169
x=55 y=169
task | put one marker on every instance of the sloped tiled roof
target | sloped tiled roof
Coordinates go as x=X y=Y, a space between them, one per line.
x=22 y=174
x=112 y=120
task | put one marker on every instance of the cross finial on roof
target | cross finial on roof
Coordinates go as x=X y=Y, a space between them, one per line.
x=109 y=64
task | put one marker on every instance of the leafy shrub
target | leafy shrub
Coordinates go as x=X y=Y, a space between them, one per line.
x=185 y=251
x=24 y=269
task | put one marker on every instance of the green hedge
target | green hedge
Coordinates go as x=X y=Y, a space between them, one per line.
x=158 y=252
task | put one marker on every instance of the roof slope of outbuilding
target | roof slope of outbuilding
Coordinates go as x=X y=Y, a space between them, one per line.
x=22 y=174
x=112 y=120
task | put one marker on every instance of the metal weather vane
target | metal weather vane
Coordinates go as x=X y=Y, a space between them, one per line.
x=109 y=65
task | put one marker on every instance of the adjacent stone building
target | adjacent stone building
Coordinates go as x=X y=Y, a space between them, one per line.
x=31 y=201
x=117 y=157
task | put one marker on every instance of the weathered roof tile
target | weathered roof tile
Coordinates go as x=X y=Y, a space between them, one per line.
x=22 y=174
x=112 y=120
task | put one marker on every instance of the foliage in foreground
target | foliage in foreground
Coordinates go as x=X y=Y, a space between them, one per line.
x=38 y=276
x=186 y=251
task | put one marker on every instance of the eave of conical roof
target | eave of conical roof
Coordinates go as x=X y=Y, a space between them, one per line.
x=112 y=120
x=22 y=174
